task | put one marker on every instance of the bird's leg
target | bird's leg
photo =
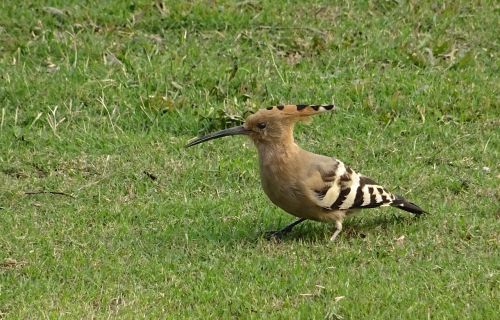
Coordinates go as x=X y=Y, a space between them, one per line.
x=338 y=226
x=280 y=233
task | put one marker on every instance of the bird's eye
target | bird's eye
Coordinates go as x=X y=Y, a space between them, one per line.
x=261 y=125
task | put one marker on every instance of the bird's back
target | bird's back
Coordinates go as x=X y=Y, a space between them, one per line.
x=312 y=186
x=341 y=188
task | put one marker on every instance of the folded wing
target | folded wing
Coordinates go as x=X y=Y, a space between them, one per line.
x=341 y=188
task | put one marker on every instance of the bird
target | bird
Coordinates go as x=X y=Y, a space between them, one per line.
x=306 y=185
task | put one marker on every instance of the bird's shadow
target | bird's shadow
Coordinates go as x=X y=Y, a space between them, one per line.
x=353 y=228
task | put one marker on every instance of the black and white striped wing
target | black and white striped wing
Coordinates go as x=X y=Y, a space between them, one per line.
x=344 y=189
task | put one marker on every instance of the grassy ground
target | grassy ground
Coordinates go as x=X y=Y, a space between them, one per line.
x=98 y=99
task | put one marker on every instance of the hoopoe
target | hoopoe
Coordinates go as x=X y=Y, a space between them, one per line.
x=307 y=185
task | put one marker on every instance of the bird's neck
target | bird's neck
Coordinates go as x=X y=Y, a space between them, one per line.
x=278 y=153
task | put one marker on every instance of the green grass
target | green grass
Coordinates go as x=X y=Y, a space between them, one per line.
x=96 y=96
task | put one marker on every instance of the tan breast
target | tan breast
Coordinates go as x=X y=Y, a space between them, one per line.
x=284 y=186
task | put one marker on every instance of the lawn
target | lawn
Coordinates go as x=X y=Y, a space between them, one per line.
x=105 y=214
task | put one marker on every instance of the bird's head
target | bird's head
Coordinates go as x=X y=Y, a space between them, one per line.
x=271 y=125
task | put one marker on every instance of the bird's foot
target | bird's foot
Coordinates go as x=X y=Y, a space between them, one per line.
x=334 y=236
x=338 y=225
x=274 y=235
x=278 y=234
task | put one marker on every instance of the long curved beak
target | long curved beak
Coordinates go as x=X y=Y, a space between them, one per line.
x=219 y=134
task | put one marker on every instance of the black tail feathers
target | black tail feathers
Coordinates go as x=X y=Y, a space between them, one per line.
x=405 y=205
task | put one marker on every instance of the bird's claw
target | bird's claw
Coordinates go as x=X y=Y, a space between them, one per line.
x=274 y=235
